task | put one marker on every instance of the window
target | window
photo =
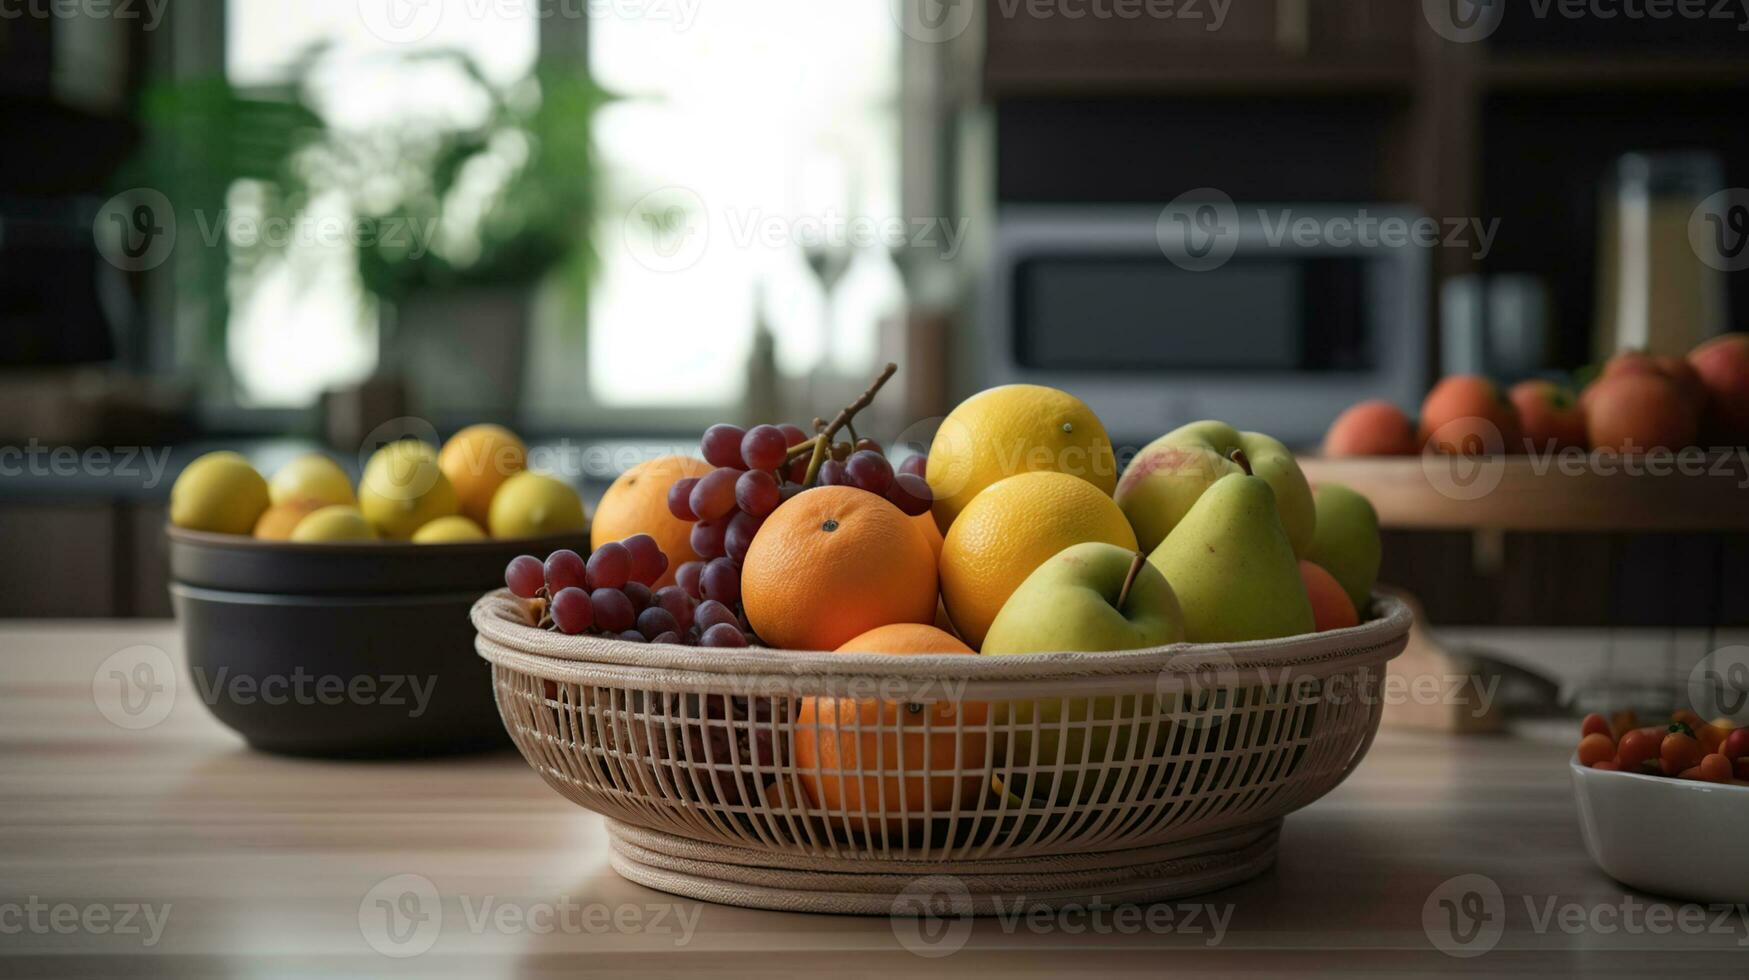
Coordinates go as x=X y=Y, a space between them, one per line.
x=301 y=322
x=768 y=129
x=774 y=124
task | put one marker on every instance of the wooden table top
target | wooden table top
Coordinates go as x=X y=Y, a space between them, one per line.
x=176 y=851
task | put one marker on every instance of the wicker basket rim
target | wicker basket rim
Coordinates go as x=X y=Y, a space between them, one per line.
x=504 y=635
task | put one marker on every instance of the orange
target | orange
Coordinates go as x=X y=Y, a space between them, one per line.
x=637 y=503
x=931 y=531
x=832 y=563
x=477 y=460
x=277 y=522
x=872 y=763
x=1012 y=429
x=1012 y=528
x=1331 y=607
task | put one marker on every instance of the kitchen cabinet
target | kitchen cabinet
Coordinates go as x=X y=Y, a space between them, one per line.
x=1172 y=45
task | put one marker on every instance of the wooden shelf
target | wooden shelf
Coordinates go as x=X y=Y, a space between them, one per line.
x=1521 y=493
x=1557 y=74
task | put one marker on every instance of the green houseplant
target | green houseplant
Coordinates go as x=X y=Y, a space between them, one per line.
x=454 y=226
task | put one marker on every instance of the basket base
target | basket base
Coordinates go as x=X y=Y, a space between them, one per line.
x=887 y=886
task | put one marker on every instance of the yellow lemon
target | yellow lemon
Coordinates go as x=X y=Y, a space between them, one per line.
x=477 y=460
x=335 y=522
x=1013 y=429
x=311 y=476
x=403 y=490
x=278 y=521
x=447 y=529
x=1012 y=528
x=218 y=492
x=530 y=505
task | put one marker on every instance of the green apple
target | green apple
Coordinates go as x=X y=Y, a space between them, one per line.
x=1087 y=597
x=1169 y=474
x=1347 y=542
x=1232 y=568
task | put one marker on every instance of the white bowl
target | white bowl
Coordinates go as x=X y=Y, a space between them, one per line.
x=1675 y=837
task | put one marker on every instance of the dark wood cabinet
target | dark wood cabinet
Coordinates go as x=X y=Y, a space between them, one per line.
x=1133 y=45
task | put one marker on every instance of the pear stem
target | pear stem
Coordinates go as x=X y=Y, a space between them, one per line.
x=1123 y=594
x=1238 y=456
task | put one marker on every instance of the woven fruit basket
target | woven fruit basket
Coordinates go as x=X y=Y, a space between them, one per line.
x=837 y=782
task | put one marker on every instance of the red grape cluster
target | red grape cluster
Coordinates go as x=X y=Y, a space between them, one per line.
x=756 y=470
x=609 y=594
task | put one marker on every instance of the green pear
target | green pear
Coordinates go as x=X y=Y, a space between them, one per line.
x=1088 y=597
x=1232 y=567
x=1347 y=542
x=1169 y=474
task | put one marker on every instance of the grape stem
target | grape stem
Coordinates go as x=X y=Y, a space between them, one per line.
x=823 y=441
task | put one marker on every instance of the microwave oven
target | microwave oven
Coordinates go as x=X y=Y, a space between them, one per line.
x=1279 y=335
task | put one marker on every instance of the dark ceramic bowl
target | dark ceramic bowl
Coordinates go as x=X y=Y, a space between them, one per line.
x=343 y=650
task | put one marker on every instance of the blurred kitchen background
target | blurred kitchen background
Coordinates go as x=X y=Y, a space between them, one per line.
x=271 y=225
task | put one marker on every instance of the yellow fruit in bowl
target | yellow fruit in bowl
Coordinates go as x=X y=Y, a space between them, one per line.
x=477 y=460
x=637 y=503
x=278 y=521
x=530 y=505
x=311 y=476
x=446 y=530
x=1011 y=529
x=218 y=492
x=335 y=522
x=1014 y=429
x=403 y=489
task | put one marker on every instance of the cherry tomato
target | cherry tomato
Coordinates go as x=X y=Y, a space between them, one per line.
x=1595 y=724
x=1715 y=768
x=1623 y=722
x=1608 y=764
x=1594 y=748
x=1637 y=749
x=1743 y=769
x=1689 y=718
x=1737 y=744
x=1678 y=752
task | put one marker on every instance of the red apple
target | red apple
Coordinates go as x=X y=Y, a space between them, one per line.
x=1634 y=412
x=1371 y=428
x=1723 y=366
x=1463 y=416
x=1550 y=415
